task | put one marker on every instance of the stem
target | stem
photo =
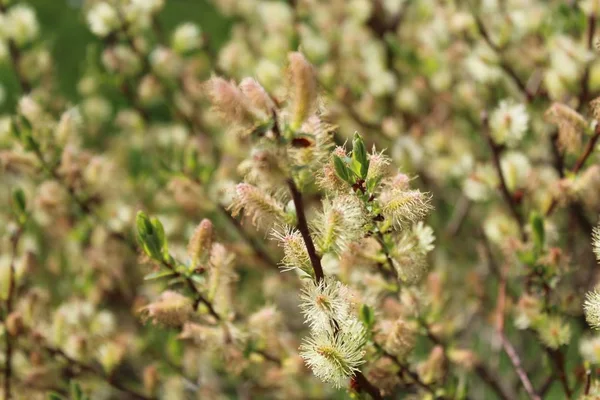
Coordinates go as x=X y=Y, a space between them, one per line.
x=492 y=382
x=315 y=260
x=517 y=364
x=367 y=386
x=97 y=372
x=558 y=358
x=506 y=67
x=199 y=298
x=508 y=347
x=508 y=198
x=587 y=151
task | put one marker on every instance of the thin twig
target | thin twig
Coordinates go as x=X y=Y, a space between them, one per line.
x=558 y=358
x=97 y=372
x=507 y=346
x=315 y=260
x=508 y=197
x=367 y=386
x=587 y=151
x=199 y=297
x=506 y=67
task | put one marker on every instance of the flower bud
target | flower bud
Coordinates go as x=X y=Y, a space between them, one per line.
x=110 y=355
x=69 y=125
x=165 y=63
x=570 y=126
x=186 y=38
x=401 y=339
x=150 y=90
x=433 y=368
x=201 y=242
x=103 y=19
x=303 y=87
x=257 y=96
x=171 y=309
x=263 y=209
x=14 y=323
x=21 y=24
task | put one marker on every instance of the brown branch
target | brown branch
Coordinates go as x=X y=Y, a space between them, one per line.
x=587 y=151
x=73 y=363
x=517 y=364
x=315 y=260
x=508 y=197
x=492 y=382
x=506 y=67
x=507 y=346
x=199 y=298
x=558 y=358
x=367 y=386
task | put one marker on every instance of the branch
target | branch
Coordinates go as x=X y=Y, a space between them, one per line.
x=367 y=386
x=508 y=198
x=588 y=150
x=97 y=372
x=558 y=358
x=516 y=362
x=507 y=346
x=506 y=67
x=199 y=298
x=315 y=260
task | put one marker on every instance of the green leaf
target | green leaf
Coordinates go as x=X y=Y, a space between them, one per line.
x=20 y=204
x=149 y=235
x=342 y=170
x=367 y=316
x=372 y=183
x=55 y=396
x=160 y=235
x=159 y=274
x=360 y=160
x=76 y=391
x=537 y=226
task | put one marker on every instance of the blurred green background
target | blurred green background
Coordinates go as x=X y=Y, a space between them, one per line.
x=63 y=26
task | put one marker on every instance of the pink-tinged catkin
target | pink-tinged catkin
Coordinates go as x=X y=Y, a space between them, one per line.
x=231 y=103
x=263 y=209
x=257 y=96
x=303 y=89
x=570 y=126
x=201 y=241
x=171 y=309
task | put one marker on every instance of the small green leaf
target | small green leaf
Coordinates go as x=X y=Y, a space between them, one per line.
x=342 y=170
x=55 y=396
x=20 y=204
x=160 y=235
x=360 y=160
x=367 y=316
x=159 y=274
x=76 y=391
x=149 y=235
x=537 y=226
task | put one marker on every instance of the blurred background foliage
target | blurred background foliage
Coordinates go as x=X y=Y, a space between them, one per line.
x=63 y=27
